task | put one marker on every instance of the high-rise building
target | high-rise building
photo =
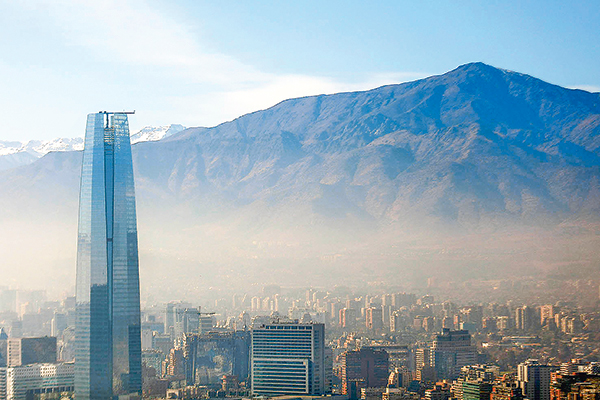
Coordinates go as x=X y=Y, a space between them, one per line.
x=58 y=324
x=175 y=363
x=3 y=348
x=153 y=359
x=348 y=318
x=440 y=391
x=3 y=383
x=525 y=318
x=288 y=358
x=212 y=355
x=374 y=320
x=8 y=299
x=108 y=339
x=534 y=379
x=503 y=322
x=181 y=318
x=546 y=313
x=451 y=351
x=364 y=368
x=335 y=310
x=424 y=371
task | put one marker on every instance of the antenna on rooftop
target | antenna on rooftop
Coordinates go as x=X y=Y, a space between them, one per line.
x=107 y=113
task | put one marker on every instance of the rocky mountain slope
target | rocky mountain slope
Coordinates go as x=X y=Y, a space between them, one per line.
x=473 y=145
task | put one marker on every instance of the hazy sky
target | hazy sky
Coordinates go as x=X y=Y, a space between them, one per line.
x=200 y=63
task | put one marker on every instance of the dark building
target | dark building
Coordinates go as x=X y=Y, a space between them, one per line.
x=534 y=379
x=25 y=351
x=212 y=355
x=3 y=348
x=451 y=351
x=364 y=368
x=476 y=390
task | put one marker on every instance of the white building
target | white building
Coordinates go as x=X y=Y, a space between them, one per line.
x=17 y=382
x=289 y=358
x=2 y=383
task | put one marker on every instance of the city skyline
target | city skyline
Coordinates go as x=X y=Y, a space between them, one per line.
x=418 y=342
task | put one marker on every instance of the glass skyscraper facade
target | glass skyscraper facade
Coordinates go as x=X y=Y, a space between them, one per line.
x=108 y=339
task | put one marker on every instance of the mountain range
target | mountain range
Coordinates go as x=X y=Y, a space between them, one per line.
x=479 y=172
x=14 y=153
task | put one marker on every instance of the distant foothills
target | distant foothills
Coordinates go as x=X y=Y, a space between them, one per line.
x=474 y=173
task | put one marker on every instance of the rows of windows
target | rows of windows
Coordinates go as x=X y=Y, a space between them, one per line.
x=288 y=327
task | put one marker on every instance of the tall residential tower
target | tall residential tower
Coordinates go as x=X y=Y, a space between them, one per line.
x=108 y=341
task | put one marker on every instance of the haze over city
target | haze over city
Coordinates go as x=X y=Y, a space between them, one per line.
x=202 y=63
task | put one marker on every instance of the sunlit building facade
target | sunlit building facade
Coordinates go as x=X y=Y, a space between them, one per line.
x=45 y=380
x=108 y=340
x=288 y=359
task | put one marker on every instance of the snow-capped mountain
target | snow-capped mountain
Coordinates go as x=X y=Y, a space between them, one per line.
x=152 y=134
x=14 y=154
x=39 y=148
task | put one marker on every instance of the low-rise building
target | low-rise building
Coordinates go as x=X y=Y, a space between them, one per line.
x=22 y=382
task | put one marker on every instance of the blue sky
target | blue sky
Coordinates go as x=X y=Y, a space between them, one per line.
x=200 y=63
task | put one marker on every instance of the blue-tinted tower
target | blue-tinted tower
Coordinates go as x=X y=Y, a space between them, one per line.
x=108 y=361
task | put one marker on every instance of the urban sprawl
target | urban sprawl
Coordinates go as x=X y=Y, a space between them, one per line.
x=310 y=342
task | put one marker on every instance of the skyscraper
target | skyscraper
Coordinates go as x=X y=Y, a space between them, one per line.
x=534 y=379
x=374 y=319
x=108 y=340
x=451 y=351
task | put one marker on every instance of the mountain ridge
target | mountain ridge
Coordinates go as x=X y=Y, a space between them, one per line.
x=479 y=133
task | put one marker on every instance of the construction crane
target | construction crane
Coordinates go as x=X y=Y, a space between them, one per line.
x=205 y=313
x=116 y=112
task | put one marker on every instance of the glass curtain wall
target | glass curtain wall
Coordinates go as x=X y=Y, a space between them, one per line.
x=108 y=341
